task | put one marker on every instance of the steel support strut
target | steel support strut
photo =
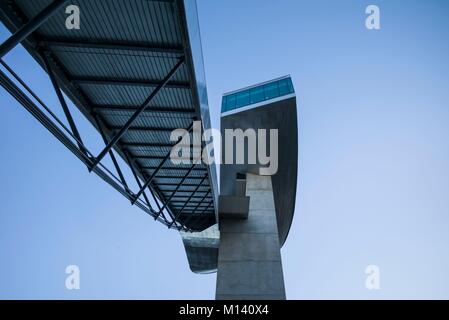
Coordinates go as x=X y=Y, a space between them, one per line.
x=39 y=115
x=158 y=205
x=159 y=167
x=34 y=95
x=111 y=154
x=136 y=114
x=67 y=141
x=107 y=45
x=176 y=189
x=202 y=212
x=196 y=208
x=65 y=108
x=189 y=198
x=30 y=27
x=139 y=184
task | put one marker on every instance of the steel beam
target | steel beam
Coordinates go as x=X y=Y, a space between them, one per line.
x=150 y=179
x=177 y=188
x=205 y=209
x=139 y=184
x=178 y=204
x=30 y=27
x=155 y=200
x=148 y=144
x=195 y=197
x=192 y=202
x=155 y=157
x=34 y=95
x=143 y=128
x=190 y=198
x=39 y=115
x=189 y=189
x=174 y=168
x=136 y=114
x=65 y=107
x=188 y=213
x=184 y=185
x=129 y=82
x=161 y=164
x=111 y=154
x=196 y=208
x=149 y=110
x=188 y=207
x=91 y=44
x=176 y=177
x=154 y=144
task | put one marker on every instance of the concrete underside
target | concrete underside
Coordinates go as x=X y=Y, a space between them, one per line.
x=280 y=115
x=249 y=259
x=202 y=248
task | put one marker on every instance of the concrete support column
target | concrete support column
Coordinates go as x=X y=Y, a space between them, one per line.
x=249 y=259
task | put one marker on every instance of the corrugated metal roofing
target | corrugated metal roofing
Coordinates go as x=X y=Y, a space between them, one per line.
x=112 y=64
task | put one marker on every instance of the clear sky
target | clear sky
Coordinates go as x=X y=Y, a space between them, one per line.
x=373 y=164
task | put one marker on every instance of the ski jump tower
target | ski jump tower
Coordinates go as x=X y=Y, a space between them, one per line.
x=134 y=69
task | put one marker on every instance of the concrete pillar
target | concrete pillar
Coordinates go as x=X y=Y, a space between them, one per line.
x=249 y=258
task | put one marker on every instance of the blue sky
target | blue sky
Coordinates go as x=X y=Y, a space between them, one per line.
x=373 y=164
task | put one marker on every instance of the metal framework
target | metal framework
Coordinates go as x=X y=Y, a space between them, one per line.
x=31 y=26
x=136 y=114
x=176 y=206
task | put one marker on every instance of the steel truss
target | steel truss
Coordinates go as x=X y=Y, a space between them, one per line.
x=71 y=138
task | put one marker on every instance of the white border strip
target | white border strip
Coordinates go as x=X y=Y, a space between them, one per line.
x=257 y=105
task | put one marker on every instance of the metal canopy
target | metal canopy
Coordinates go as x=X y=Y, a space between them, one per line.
x=129 y=70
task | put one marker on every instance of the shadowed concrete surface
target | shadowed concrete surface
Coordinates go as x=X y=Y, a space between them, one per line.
x=249 y=220
x=202 y=249
x=280 y=115
x=249 y=260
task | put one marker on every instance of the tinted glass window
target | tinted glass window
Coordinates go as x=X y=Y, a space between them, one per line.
x=223 y=104
x=284 y=87
x=230 y=102
x=290 y=85
x=242 y=99
x=257 y=95
x=271 y=90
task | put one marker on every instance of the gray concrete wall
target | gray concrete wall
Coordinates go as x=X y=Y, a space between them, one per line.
x=249 y=259
x=280 y=115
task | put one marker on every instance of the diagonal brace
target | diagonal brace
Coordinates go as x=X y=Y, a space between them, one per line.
x=65 y=108
x=196 y=208
x=177 y=188
x=159 y=167
x=136 y=114
x=190 y=198
x=30 y=27
x=111 y=154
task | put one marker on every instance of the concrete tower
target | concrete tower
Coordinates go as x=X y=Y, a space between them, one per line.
x=258 y=177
